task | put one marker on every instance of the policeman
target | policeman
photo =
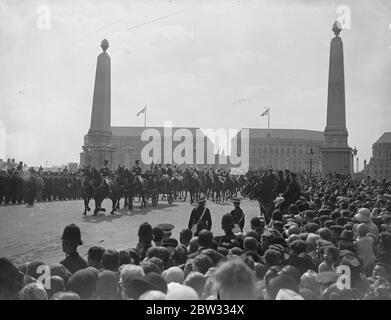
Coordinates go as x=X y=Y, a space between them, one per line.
x=238 y=216
x=71 y=239
x=200 y=218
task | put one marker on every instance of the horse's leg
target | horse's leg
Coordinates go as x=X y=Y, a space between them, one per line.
x=85 y=206
x=130 y=202
x=96 y=210
x=114 y=204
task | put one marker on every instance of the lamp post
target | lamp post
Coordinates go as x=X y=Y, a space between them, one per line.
x=310 y=152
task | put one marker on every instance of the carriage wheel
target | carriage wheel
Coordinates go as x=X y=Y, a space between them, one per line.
x=155 y=199
x=170 y=199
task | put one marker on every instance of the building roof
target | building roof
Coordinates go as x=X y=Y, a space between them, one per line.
x=137 y=131
x=286 y=134
x=385 y=138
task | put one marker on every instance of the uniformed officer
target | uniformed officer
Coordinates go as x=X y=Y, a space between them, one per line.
x=292 y=193
x=137 y=171
x=238 y=216
x=106 y=173
x=200 y=218
x=281 y=185
x=71 y=239
x=169 y=170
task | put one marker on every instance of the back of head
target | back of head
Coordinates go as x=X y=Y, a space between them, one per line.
x=129 y=272
x=176 y=291
x=110 y=260
x=173 y=274
x=34 y=269
x=95 y=254
x=202 y=263
x=57 y=284
x=83 y=282
x=153 y=295
x=185 y=236
x=59 y=270
x=363 y=229
x=196 y=280
x=235 y=281
x=33 y=291
x=107 y=285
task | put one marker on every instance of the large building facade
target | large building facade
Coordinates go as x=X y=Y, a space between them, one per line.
x=379 y=166
x=150 y=144
x=292 y=149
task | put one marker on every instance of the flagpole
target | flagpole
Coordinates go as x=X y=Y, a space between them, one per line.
x=145 y=117
x=268 y=119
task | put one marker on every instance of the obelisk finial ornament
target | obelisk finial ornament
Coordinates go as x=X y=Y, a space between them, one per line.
x=337 y=28
x=104 y=45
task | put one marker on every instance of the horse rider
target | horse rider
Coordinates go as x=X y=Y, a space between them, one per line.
x=169 y=171
x=137 y=171
x=106 y=173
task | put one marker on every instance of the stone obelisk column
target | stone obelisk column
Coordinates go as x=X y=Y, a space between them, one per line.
x=97 y=143
x=337 y=156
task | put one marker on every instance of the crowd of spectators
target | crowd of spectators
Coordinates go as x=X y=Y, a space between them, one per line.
x=333 y=245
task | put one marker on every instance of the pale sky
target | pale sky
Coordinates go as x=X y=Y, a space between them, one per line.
x=209 y=64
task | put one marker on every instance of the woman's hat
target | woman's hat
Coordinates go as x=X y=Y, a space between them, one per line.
x=363 y=215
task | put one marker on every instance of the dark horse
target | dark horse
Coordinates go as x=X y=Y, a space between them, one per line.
x=86 y=187
x=218 y=183
x=192 y=184
x=135 y=186
x=101 y=190
x=261 y=190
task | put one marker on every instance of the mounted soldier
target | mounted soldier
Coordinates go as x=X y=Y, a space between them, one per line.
x=137 y=171
x=106 y=174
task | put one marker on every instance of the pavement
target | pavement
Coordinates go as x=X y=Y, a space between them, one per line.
x=28 y=234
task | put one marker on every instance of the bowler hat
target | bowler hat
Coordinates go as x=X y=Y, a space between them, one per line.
x=72 y=234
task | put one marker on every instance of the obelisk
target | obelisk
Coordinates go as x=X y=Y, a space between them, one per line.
x=97 y=144
x=337 y=156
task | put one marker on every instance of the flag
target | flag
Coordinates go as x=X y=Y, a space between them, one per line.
x=265 y=113
x=142 y=111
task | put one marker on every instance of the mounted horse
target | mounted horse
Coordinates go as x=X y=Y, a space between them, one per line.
x=86 y=187
x=260 y=189
x=192 y=185
x=218 y=182
x=101 y=189
x=228 y=187
x=136 y=186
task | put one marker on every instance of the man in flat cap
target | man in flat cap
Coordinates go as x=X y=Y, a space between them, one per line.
x=71 y=239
